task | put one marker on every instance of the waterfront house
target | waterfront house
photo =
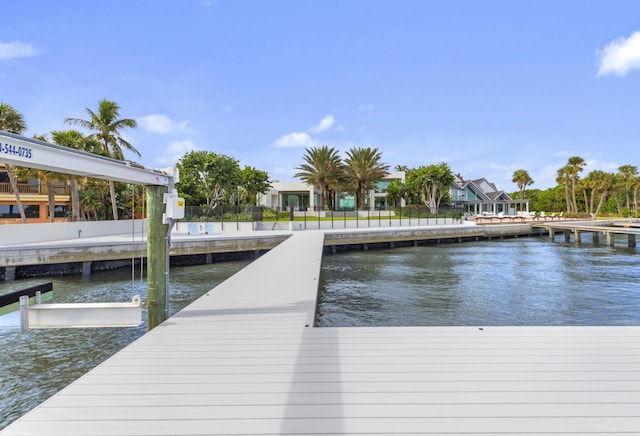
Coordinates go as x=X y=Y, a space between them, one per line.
x=35 y=200
x=480 y=197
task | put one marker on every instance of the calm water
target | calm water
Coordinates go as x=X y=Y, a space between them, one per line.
x=525 y=281
x=36 y=364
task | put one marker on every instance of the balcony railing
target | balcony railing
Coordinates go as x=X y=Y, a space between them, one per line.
x=34 y=188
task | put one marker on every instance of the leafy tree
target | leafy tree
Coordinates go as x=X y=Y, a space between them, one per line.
x=12 y=121
x=207 y=177
x=254 y=182
x=106 y=127
x=431 y=183
x=322 y=170
x=363 y=169
x=396 y=191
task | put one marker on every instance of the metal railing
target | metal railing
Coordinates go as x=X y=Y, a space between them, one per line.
x=302 y=218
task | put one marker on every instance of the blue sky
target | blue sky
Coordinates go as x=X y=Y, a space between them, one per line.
x=487 y=86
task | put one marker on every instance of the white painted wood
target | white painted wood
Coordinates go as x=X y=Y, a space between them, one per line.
x=240 y=361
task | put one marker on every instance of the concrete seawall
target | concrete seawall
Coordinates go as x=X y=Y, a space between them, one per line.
x=81 y=255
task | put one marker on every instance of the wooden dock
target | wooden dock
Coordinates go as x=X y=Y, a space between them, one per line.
x=245 y=359
x=607 y=229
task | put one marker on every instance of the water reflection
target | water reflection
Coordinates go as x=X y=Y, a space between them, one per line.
x=526 y=281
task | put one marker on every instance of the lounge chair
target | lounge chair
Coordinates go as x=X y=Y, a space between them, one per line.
x=193 y=229
x=210 y=229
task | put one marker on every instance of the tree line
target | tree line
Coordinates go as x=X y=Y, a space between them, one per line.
x=206 y=177
x=598 y=193
x=362 y=169
x=211 y=179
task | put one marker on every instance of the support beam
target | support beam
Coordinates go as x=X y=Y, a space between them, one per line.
x=9 y=273
x=596 y=237
x=567 y=235
x=156 y=252
x=576 y=235
x=631 y=240
x=31 y=153
x=611 y=239
x=86 y=269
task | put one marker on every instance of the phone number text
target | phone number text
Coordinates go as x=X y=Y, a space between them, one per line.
x=15 y=150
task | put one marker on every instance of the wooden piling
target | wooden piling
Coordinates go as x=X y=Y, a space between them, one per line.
x=156 y=252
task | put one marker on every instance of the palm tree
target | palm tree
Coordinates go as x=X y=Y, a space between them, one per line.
x=363 y=170
x=563 y=178
x=322 y=170
x=627 y=175
x=76 y=140
x=106 y=125
x=522 y=179
x=575 y=166
x=12 y=121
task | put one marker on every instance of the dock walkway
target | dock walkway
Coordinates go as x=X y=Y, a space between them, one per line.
x=245 y=359
x=609 y=228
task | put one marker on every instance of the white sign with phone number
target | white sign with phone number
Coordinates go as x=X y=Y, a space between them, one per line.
x=15 y=151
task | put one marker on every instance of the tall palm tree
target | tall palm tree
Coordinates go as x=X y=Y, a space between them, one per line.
x=575 y=166
x=522 y=179
x=563 y=178
x=627 y=175
x=322 y=170
x=12 y=121
x=76 y=140
x=106 y=127
x=363 y=168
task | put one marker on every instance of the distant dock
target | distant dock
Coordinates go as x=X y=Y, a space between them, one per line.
x=607 y=230
x=82 y=255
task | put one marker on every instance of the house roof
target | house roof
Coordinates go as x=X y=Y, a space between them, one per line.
x=482 y=188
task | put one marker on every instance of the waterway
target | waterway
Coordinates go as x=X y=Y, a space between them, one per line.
x=520 y=281
x=36 y=364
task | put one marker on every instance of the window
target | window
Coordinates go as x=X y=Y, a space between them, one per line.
x=11 y=211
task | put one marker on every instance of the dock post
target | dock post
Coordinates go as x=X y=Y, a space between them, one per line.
x=86 y=269
x=156 y=252
x=24 y=313
x=567 y=235
x=552 y=233
x=611 y=238
x=596 y=237
x=9 y=273
x=631 y=240
x=577 y=236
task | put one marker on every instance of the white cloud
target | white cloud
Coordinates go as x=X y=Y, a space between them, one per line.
x=158 y=123
x=174 y=151
x=294 y=139
x=325 y=124
x=620 y=56
x=16 y=49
